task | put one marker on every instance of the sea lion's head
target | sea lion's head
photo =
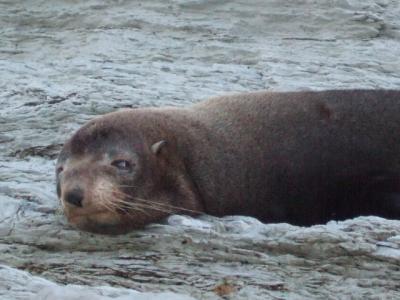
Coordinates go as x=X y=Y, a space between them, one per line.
x=121 y=171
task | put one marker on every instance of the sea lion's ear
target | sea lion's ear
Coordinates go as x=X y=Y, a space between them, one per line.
x=156 y=147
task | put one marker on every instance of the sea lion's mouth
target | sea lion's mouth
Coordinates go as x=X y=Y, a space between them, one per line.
x=97 y=222
x=92 y=216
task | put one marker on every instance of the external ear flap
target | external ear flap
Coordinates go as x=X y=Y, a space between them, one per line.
x=156 y=147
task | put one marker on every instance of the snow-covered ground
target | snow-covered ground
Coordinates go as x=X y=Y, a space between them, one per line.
x=63 y=62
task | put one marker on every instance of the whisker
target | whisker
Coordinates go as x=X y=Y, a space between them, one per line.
x=144 y=205
x=131 y=186
x=161 y=205
x=108 y=205
x=152 y=207
x=114 y=203
x=118 y=201
x=114 y=207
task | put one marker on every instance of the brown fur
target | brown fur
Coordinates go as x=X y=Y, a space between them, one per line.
x=302 y=158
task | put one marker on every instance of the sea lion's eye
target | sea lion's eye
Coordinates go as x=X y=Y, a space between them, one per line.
x=59 y=170
x=121 y=164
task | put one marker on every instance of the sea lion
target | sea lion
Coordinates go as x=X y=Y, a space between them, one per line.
x=297 y=157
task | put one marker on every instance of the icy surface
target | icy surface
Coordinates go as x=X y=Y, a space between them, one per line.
x=63 y=62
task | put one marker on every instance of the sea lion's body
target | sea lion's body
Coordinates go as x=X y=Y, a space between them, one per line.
x=302 y=158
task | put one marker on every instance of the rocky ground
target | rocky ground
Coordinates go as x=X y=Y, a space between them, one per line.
x=64 y=62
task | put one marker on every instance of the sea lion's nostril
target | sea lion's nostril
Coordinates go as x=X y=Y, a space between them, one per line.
x=75 y=197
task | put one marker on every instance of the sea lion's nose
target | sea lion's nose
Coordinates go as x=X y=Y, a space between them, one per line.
x=74 y=197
